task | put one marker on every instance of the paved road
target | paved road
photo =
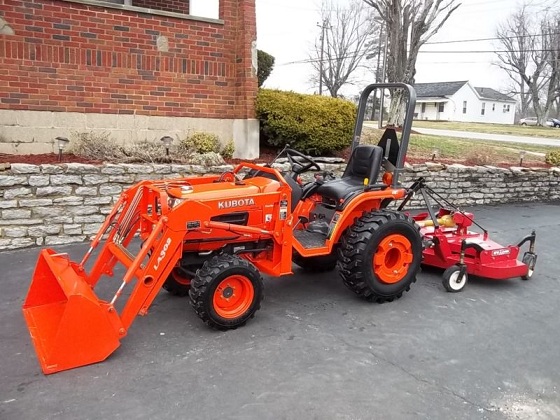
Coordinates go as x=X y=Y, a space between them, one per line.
x=315 y=351
x=487 y=136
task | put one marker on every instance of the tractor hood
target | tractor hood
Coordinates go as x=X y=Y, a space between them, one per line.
x=226 y=190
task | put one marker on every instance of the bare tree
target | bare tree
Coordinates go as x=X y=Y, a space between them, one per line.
x=345 y=43
x=557 y=106
x=529 y=53
x=514 y=37
x=552 y=43
x=515 y=88
x=409 y=24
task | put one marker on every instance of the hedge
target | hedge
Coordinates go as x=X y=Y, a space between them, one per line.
x=553 y=158
x=309 y=123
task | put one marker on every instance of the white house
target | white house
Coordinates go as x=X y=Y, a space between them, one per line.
x=460 y=101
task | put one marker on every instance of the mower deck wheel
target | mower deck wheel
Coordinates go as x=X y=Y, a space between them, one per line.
x=452 y=281
x=530 y=260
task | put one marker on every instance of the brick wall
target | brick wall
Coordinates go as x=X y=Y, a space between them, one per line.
x=73 y=57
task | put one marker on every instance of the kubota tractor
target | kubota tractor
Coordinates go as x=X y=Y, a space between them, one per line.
x=214 y=236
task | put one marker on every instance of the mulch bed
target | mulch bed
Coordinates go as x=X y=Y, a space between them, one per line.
x=44 y=158
x=266 y=155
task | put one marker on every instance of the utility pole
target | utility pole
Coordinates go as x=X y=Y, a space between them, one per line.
x=384 y=76
x=377 y=74
x=323 y=27
x=379 y=54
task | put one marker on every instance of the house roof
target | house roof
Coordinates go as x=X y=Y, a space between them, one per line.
x=494 y=95
x=437 y=90
x=425 y=91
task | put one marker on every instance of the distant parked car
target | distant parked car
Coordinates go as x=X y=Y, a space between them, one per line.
x=529 y=121
x=553 y=122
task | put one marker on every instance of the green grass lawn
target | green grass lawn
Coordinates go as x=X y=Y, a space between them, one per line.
x=475 y=151
x=516 y=130
x=471 y=152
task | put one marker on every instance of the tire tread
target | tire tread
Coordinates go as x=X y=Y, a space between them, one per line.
x=200 y=296
x=353 y=247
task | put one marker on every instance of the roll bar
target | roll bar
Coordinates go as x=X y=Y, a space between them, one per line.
x=407 y=125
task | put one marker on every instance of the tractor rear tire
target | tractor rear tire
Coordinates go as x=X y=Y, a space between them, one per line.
x=318 y=264
x=380 y=255
x=226 y=292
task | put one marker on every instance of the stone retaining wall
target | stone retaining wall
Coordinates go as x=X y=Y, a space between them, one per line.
x=59 y=204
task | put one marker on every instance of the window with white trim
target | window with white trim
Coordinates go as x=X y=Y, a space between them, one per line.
x=197 y=8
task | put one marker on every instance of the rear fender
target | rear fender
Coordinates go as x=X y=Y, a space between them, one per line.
x=361 y=204
x=342 y=219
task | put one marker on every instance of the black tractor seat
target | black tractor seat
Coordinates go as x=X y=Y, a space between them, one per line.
x=360 y=173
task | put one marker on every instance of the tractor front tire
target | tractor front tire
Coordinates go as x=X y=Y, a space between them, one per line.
x=380 y=255
x=226 y=292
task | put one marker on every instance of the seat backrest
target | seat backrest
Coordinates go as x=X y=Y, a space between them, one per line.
x=390 y=145
x=365 y=162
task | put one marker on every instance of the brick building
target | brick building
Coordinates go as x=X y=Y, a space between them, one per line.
x=139 y=69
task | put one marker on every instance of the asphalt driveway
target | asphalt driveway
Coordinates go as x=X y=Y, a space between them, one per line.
x=315 y=351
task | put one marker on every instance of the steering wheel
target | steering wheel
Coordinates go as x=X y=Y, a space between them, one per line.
x=297 y=167
x=227 y=176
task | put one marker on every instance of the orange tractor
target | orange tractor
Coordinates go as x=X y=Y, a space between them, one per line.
x=211 y=237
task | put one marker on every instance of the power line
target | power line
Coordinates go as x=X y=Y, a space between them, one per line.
x=324 y=26
x=454 y=62
x=485 y=2
x=490 y=39
x=335 y=59
x=486 y=51
x=283 y=4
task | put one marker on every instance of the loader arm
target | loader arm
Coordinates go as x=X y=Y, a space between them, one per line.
x=146 y=214
x=69 y=325
x=147 y=233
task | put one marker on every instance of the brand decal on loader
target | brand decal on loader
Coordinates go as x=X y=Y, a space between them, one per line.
x=236 y=203
x=162 y=253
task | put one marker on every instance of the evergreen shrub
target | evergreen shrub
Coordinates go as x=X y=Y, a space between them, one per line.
x=311 y=124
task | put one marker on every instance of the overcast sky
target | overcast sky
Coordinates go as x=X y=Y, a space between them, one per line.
x=287 y=29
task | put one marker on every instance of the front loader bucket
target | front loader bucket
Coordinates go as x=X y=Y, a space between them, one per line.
x=69 y=325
